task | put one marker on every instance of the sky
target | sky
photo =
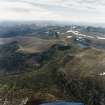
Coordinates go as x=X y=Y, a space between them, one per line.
x=59 y=10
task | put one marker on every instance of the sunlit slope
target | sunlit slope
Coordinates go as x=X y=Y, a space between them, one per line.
x=86 y=63
x=30 y=44
x=34 y=44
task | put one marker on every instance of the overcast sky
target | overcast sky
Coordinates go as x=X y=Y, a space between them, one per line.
x=61 y=10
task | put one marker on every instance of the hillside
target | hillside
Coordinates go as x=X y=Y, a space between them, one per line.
x=53 y=63
x=67 y=72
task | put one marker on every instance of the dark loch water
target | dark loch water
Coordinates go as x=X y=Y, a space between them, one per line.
x=83 y=45
x=62 y=103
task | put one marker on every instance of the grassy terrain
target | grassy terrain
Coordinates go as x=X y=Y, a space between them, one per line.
x=30 y=44
x=66 y=72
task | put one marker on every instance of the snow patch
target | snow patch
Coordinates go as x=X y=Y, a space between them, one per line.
x=90 y=36
x=101 y=74
x=100 y=37
x=69 y=36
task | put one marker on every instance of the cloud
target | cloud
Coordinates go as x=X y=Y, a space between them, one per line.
x=22 y=11
x=69 y=10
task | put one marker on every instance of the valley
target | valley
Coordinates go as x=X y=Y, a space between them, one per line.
x=52 y=63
